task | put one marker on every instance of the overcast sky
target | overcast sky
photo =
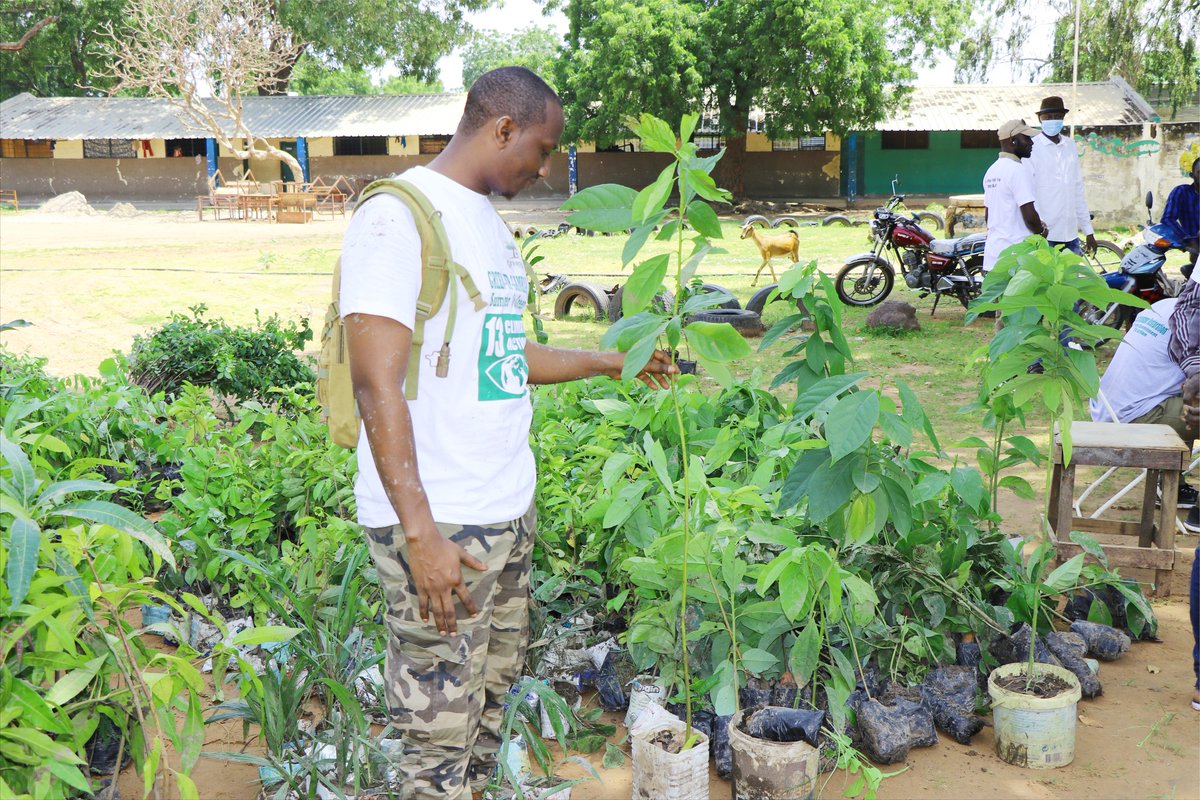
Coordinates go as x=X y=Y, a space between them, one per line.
x=511 y=15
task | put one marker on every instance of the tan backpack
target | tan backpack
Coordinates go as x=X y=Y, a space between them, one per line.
x=335 y=390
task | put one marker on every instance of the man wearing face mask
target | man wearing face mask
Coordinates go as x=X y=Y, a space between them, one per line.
x=1008 y=195
x=1057 y=182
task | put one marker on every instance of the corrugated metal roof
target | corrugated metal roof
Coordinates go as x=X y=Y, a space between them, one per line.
x=1160 y=99
x=29 y=117
x=982 y=106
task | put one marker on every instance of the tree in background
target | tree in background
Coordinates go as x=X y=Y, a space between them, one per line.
x=62 y=59
x=410 y=35
x=312 y=77
x=533 y=48
x=1147 y=42
x=821 y=65
x=183 y=51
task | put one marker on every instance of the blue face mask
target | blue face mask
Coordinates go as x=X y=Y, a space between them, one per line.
x=1052 y=127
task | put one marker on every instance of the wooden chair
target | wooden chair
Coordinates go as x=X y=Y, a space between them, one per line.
x=295 y=207
x=332 y=195
x=1155 y=448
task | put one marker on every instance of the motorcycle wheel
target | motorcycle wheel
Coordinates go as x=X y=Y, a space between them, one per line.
x=1111 y=315
x=1107 y=256
x=855 y=288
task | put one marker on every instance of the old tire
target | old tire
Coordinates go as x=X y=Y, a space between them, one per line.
x=662 y=301
x=758 y=302
x=585 y=293
x=756 y=219
x=785 y=222
x=930 y=218
x=744 y=322
x=864 y=282
x=732 y=302
x=836 y=219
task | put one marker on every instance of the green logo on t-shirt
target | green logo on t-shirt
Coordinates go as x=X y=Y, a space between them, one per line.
x=503 y=370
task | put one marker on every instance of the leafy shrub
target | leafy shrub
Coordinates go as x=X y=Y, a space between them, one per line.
x=239 y=361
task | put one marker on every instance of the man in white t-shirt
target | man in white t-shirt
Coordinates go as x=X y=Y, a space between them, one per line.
x=1057 y=181
x=1143 y=384
x=1008 y=193
x=446 y=481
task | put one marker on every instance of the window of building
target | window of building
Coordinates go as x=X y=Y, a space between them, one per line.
x=432 y=145
x=109 y=148
x=708 y=142
x=26 y=148
x=366 y=145
x=905 y=140
x=978 y=140
x=802 y=143
x=187 y=148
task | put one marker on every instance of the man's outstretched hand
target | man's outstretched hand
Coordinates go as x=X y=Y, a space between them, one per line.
x=658 y=373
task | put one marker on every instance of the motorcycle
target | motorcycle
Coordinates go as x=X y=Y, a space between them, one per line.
x=944 y=267
x=1140 y=273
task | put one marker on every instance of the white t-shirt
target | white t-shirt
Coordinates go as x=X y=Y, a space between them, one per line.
x=1006 y=187
x=1058 y=185
x=471 y=428
x=1141 y=374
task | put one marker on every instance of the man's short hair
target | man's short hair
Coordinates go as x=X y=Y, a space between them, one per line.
x=507 y=92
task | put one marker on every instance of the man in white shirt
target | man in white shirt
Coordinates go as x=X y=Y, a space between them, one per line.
x=1143 y=384
x=1008 y=193
x=1057 y=181
x=446 y=480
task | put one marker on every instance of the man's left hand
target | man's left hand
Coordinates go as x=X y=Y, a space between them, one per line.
x=1191 y=402
x=1089 y=246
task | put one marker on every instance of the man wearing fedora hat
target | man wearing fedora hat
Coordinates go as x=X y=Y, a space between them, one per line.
x=1057 y=182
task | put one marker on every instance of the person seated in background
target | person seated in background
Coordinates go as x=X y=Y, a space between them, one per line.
x=1142 y=384
x=1182 y=213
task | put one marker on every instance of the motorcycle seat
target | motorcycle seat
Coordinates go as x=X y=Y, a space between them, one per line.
x=961 y=246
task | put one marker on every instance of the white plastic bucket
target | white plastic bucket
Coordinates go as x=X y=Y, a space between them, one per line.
x=765 y=770
x=1034 y=732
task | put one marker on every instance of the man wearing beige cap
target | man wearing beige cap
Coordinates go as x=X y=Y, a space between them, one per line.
x=1057 y=182
x=1008 y=193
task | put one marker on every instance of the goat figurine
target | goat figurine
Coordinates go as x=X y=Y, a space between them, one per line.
x=771 y=245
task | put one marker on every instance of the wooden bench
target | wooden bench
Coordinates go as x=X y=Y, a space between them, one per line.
x=1154 y=448
x=295 y=207
x=9 y=196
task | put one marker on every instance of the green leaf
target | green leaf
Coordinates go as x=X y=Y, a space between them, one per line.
x=687 y=126
x=757 y=661
x=614 y=469
x=658 y=460
x=70 y=775
x=716 y=341
x=23 y=479
x=267 y=634
x=1089 y=545
x=637 y=239
x=62 y=488
x=702 y=217
x=607 y=207
x=969 y=486
x=1066 y=576
x=805 y=652
x=74 y=682
x=656 y=135
x=863 y=600
x=850 y=423
x=649 y=201
x=644 y=283
x=24 y=544
x=936 y=606
x=122 y=519
x=639 y=354
x=187 y=787
x=1018 y=486
x=812 y=397
x=614 y=756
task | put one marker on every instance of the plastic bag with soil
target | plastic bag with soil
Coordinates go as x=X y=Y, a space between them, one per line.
x=608 y=684
x=1014 y=648
x=1080 y=606
x=1103 y=641
x=1071 y=649
x=779 y=724
x=722 y=752
x=785 y=693
x=756 y=693
x=949 y=694
x=890 y=731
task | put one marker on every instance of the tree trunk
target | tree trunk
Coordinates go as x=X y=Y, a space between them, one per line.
x=732 y=168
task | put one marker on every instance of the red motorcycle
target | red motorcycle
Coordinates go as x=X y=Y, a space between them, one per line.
x=952 y=267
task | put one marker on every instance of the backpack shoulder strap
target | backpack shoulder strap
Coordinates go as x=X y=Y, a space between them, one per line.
x=437 y=271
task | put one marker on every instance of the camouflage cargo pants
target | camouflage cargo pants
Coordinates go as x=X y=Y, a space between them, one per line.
x=445 y=694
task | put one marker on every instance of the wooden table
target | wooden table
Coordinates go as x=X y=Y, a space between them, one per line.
x=963 y=204
x=1154 y=448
